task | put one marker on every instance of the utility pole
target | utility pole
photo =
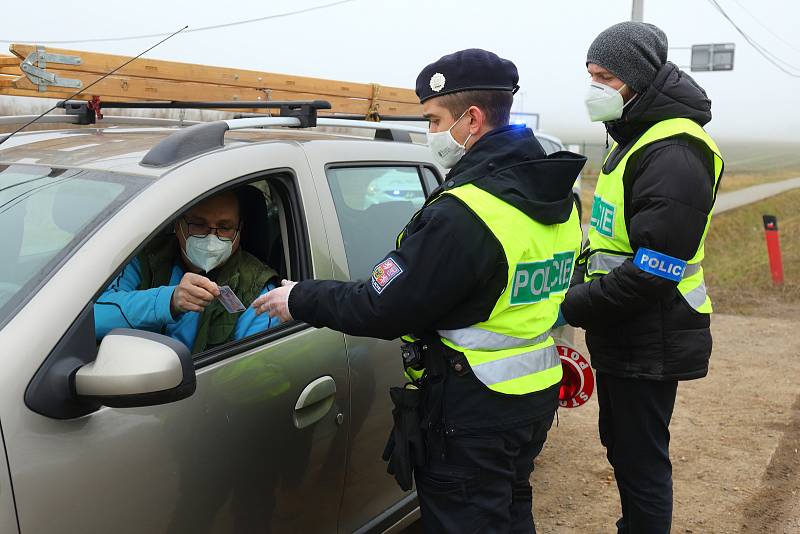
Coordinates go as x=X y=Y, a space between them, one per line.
x=637 y=11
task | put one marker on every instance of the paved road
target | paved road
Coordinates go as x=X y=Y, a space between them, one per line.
x=748 y=195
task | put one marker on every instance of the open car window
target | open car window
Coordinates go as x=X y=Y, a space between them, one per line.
x=144 y=293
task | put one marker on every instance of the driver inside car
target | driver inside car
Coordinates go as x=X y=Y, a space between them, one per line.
x=172 y=286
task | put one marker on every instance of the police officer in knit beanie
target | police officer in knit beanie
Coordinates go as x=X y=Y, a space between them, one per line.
x=632 y=51
x=646 y=331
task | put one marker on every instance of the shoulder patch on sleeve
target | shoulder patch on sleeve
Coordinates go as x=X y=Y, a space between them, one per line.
x=384 y=273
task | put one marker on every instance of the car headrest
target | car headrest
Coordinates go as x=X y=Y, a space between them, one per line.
x=258 y=232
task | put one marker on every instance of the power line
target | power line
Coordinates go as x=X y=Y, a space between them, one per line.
x=774 y=34
x=204 y=28
x=769 y=56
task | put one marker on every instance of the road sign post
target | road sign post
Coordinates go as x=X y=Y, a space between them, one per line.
x=773 y=249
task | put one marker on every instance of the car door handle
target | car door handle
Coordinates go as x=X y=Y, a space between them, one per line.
x=314 y=402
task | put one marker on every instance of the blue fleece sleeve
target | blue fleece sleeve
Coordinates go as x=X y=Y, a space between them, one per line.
x=249 y=323
x=122 y=305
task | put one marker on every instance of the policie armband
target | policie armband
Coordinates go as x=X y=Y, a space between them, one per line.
x=659 y=264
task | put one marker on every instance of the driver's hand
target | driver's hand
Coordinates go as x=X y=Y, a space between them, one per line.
x=193 y=293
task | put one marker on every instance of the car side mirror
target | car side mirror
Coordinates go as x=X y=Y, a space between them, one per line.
x=137 y=368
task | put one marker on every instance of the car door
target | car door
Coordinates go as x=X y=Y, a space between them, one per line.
x=369 y=202
x=259 y=447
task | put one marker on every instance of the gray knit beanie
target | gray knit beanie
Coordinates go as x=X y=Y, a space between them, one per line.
x=632 y=51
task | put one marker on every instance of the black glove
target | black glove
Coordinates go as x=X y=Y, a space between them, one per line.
x=405 y=447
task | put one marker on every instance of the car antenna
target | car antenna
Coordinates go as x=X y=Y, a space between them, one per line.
x=84 y=89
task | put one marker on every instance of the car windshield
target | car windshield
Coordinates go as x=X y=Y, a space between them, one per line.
x=44 y=214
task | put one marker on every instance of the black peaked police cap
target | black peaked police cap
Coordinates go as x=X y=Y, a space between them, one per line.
x=467 y=70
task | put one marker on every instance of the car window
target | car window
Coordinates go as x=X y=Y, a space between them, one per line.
x=44 y=214
x=232 y=238
x=431 y=179
x=373 y=204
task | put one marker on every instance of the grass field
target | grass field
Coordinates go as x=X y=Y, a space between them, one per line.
x=737 y=266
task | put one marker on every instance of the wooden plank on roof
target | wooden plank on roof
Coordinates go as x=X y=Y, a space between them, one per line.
x=187 y=72
x=9 y=61
x=133 y=88
x=10 y=70
x=9 y=90
x=7 y=81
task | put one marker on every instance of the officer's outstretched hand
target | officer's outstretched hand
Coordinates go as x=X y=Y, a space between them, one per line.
x=276 y=302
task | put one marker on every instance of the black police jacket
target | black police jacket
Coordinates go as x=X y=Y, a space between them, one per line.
x=637 y=324
x=452 y=269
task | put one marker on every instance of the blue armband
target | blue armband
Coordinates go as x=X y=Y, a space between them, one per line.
x=660 y=264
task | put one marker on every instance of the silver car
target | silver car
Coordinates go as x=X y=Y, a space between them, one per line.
x=552 y=144
x=278 y=432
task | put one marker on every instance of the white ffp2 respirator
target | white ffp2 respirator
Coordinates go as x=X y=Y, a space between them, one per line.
x=604 y=103
x=209 y=252
x=446 y=150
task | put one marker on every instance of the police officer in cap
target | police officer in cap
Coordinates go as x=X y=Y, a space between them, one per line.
x=474 y=285
x=641 y=295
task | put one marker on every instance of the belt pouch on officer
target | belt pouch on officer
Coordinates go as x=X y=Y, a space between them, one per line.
x=418 y=414
x=405 y=447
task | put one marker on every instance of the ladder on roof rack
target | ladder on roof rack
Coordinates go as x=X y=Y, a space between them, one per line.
x=38 y=71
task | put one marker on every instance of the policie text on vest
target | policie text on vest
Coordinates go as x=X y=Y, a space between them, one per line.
x=536 y=281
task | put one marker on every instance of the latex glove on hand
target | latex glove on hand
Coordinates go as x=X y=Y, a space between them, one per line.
x=276 y=302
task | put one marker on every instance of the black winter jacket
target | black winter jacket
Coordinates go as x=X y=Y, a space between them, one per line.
x=638 y=324
x=453 y=269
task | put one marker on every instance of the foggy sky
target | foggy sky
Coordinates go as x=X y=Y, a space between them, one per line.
x=389 y=41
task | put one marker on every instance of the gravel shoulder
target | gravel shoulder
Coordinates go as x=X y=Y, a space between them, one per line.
x=735 y=441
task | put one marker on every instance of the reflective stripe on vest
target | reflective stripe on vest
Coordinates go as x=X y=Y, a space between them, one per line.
x=601 y=263
x=479 y=338
x=608 y=232
x=517 y=366
x=697 y=296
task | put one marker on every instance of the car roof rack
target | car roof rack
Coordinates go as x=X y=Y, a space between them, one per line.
x=393 y=118
x=306 y=111
x=143 y=83
x=39 y=71
x=107 y=120
x=204 y=137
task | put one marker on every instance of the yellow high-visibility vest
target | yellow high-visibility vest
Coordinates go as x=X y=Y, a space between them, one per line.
x=609 y=244
x=512 y=351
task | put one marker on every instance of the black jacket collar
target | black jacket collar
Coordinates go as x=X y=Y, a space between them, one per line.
x=673 y=94
x=509 y=163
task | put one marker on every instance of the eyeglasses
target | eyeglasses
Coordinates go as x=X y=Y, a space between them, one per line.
x=224 y=233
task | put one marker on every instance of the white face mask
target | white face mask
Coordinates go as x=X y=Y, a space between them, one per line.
x=446 y=150
x=604 y=103
x=209 y=252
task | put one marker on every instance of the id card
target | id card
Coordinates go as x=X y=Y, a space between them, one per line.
x=229 y=300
